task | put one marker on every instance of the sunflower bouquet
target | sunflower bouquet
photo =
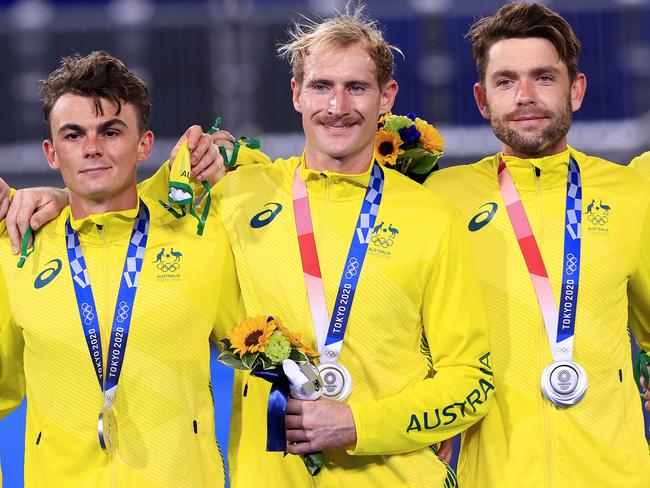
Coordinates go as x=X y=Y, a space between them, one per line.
x=269 y=350
x=408 y=144
x=263 y=343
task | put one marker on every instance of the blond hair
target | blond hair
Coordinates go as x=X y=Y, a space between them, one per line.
x=341 y=30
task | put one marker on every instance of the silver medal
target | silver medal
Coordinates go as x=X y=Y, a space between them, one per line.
x=564 y=383
x=107 y=430
x=337 y=382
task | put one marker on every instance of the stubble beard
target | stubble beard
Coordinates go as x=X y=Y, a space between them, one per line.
x=535 y=145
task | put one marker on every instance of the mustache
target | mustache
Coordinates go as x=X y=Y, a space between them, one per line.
x=345 y=120
x=529 y=113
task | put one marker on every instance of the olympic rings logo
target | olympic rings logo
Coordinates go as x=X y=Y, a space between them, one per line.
x=352 y=269
x=87 y=313
x=381 y=241
x=562 y=349
x=332 y=354
x=598 y=219
x=571 y=264
x=122 y=311
x=168 y=267
x=329 y=378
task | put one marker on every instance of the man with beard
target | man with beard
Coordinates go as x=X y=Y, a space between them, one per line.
x=544 y=219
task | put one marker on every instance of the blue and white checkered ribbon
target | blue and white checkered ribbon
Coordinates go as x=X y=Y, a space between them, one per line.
x=353 y=265
x=562 y=346
x=123 y=307
x=370 y=207
x=574 y=190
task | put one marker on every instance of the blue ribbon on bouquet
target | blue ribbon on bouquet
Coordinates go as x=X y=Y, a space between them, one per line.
x=276 y=435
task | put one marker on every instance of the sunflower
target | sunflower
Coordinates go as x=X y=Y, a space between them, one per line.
x=430 y=138
x=387 y=147
x=295 y=341
x=252 y=335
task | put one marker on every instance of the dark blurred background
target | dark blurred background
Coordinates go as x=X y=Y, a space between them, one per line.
x=217 y=57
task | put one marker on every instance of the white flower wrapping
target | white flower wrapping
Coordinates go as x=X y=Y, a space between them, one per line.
x=299 y=383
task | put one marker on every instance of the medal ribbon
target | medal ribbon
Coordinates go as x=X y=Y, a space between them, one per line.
x=560 y=337
x=330 y=344
x=123 y=307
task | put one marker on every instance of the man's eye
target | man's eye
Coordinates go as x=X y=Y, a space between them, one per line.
x=72 y=136
x=504 y=83
x=111 y=133
x=357 y=88
x=545 y=78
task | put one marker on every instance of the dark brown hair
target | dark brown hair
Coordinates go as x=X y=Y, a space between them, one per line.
x=520 y=21
x=98 y=75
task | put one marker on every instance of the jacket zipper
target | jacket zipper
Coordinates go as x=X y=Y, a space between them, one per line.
x=223 y=464
x=323 y=217
x=546 y=408
x=107 y=320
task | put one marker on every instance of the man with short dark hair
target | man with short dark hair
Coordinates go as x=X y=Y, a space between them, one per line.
x=552 y=225
x=111 y=314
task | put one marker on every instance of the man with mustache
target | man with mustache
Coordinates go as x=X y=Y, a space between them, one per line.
x=412 y=351
x=562 y=244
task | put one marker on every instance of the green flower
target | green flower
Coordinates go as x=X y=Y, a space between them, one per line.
x=278 y=348
x=394 y=123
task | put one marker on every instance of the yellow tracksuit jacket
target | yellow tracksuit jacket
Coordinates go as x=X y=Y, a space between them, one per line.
x=642 y=164
x=163 y=405
x=416 y=344
x=525 y=441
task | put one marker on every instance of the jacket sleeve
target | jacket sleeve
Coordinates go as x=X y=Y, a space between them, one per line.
x=639 y=161
x=458 y=392
x=12 y=378
x=157 y=187
x=639 y=285
x=228 y=295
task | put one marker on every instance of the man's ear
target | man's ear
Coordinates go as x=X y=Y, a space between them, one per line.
x=578 y=90
x=145 y=146
x=481 y=100
x=388 y=95
x=50 y=154
x=295 y=95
